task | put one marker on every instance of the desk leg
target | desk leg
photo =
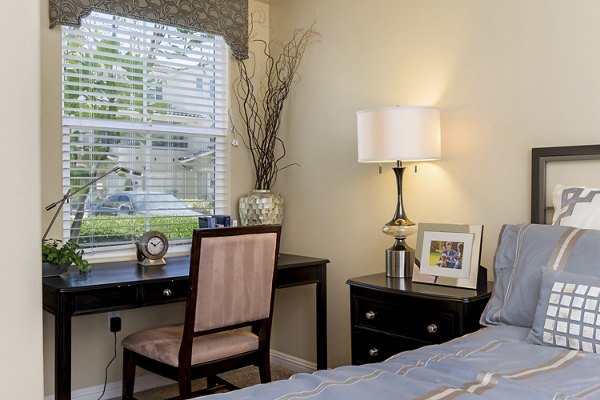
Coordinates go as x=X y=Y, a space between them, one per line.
x=62 y=352
x=322 y=318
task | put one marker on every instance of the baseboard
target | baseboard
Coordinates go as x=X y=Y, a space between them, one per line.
x=293 y=363
x=151 y=381
x=113 y=389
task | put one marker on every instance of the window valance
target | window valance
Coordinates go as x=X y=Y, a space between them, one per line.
x=228 y=18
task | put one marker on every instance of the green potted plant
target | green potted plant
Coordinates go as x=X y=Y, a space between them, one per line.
x=57 y=256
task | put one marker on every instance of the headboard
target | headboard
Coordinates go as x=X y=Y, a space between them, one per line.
x=541 y=158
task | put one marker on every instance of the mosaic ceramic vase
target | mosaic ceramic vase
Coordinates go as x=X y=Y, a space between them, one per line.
x=261 y=207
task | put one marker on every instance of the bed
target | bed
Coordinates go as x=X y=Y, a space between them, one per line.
x=542 y=325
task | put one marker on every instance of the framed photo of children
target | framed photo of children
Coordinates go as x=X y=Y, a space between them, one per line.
x=448 y=254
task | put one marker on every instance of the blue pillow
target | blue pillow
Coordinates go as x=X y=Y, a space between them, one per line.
x=523 y=250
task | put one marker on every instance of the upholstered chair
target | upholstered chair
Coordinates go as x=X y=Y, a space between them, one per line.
x=228 y=313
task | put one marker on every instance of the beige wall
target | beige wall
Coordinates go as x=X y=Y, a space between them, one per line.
x=21 y=294
x=507 y=75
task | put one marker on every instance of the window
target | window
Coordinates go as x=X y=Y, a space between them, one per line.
x=149 y=98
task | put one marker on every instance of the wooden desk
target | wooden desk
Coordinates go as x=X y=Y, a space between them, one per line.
x=123 y=285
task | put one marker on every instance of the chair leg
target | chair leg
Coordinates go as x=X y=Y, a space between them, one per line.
x=264 y=367
x=128 y=375
x=185 y=384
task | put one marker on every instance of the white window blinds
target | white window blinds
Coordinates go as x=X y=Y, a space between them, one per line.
x=149 y=98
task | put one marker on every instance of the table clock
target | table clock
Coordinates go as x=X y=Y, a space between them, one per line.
x=151 y=248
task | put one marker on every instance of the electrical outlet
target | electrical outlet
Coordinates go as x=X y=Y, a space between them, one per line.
x=113 y=314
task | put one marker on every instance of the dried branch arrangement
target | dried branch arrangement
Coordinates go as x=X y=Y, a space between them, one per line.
x=261 y=108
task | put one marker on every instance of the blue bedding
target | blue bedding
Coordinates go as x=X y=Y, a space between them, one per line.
x=493 y=363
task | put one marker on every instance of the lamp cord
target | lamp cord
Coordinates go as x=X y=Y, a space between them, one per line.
x=108 y=365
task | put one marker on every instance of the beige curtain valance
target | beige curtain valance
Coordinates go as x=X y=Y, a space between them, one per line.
x=221 y=17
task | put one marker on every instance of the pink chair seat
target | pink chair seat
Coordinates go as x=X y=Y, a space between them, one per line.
x=162 y=344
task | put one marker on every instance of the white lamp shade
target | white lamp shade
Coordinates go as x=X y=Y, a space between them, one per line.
x=399 y=134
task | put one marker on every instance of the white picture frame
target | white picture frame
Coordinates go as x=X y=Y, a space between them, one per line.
x=431 y=242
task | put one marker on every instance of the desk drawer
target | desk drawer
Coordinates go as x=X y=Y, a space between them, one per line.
x=164 y=292
x=288 y=277
x=92 y=301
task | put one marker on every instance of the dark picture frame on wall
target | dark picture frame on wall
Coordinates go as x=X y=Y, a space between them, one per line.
x=448 y=254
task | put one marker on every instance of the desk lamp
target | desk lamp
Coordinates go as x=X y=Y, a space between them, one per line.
x=397 y=134
x=70 y=194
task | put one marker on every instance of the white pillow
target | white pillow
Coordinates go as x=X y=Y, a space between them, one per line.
x=576 y=206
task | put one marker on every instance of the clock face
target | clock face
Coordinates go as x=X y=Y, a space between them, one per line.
x=153 y=245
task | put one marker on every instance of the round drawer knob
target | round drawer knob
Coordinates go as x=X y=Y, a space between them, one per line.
x=374 y=352
x=167 y=292
x=370 y=315
x=432 y=328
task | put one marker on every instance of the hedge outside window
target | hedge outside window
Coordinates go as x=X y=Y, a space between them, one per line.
x=147 y=97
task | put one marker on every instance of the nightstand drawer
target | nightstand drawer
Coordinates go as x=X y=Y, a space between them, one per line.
x=164 y=292
x=413 y=321
x=370 y=347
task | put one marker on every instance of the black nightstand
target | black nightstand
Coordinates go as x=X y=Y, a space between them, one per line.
x=390 y=315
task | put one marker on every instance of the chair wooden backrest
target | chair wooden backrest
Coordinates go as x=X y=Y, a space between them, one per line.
x=232 y=280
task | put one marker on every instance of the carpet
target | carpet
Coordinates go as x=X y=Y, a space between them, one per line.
x=242 y=377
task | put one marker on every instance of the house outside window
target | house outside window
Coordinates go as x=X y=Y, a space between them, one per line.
x=150 y=98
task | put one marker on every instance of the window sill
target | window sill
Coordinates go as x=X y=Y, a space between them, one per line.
x=128 y=252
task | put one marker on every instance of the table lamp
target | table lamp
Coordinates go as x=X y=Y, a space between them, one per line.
x=397 y=134
x=70 y=194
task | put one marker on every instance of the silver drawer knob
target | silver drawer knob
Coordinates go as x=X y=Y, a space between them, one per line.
x=374 y=352
x=432 y=328
x=370 y=315
x=167 y=292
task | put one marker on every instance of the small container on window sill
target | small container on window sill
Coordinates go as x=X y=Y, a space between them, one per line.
x=49 y=269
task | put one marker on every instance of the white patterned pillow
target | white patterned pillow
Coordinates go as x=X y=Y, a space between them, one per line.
x=567 y=313
x=576 y=206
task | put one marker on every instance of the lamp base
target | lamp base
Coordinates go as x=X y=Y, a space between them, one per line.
x=399 y=260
